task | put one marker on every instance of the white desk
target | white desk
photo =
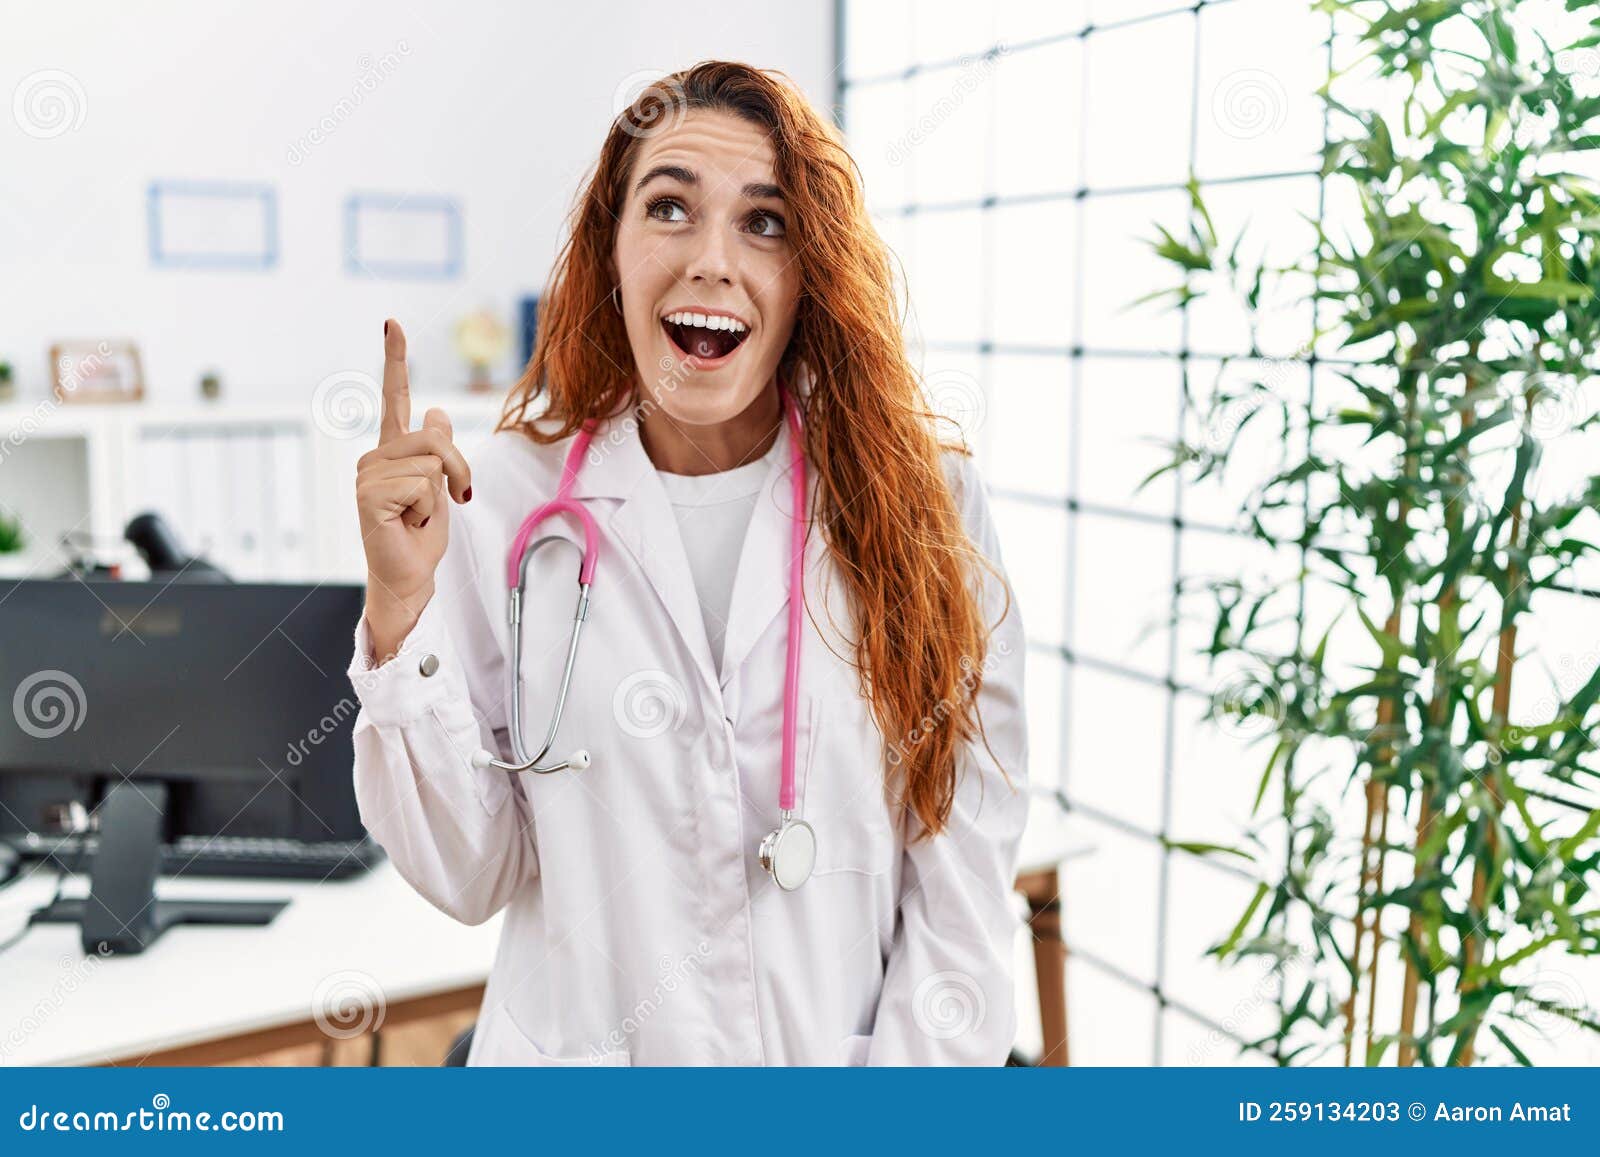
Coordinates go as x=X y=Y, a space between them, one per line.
x=207 y=994
x=217 y=993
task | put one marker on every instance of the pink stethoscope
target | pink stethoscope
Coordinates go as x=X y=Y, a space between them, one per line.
x=788 y=852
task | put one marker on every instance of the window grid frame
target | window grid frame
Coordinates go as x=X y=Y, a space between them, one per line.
x=1074 y=353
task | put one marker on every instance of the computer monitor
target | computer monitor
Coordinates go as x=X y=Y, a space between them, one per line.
x=162 y=710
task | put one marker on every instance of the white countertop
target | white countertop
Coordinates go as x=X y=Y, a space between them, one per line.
x=370 y=936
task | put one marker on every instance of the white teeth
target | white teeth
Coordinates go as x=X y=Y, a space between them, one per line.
x=706 y=321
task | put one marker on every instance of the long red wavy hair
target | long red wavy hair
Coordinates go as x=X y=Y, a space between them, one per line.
x=887 y=513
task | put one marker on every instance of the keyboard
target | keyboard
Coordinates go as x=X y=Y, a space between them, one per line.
x=240 y=857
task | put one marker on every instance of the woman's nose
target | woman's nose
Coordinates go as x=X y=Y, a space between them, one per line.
x=712 y=259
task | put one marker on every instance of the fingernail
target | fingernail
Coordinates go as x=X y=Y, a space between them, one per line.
x=423 y=523
x=466 y=495
x=385 y=329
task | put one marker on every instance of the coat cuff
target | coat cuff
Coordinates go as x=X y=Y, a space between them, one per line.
x=422 y=674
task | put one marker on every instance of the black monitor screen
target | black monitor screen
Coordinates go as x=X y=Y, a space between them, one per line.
x=235 y=694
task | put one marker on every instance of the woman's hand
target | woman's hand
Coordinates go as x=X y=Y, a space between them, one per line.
x=400 y=496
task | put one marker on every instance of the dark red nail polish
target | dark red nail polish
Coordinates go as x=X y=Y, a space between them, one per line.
x=385 y=329
x=423 y=523
x=466 y=495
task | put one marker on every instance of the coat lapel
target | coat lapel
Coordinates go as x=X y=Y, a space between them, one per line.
x=643 y=525
x=761 y=584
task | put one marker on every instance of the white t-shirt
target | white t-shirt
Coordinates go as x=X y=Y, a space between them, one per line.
x=713 y=512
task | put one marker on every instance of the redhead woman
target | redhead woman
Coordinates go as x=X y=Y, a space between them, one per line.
x=777 y=821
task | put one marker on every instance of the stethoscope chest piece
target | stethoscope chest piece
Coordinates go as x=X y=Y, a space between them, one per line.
x=789 y=853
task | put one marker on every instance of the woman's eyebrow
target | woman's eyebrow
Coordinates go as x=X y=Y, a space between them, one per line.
x=755 y=190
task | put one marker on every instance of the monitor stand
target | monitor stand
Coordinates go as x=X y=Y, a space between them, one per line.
x=121 y=913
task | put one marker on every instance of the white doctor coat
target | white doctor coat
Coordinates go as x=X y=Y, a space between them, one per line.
x=640 y=927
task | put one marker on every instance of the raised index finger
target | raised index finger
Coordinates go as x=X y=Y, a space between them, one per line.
x=396 y=384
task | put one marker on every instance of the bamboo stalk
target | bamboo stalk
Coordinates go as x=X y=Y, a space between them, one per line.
x=1500 y=712
x=1438 y=712
x=1372 y=853
x=1373 y=856
x=1377 y=926
x=1367 y=840
x=1408 y=990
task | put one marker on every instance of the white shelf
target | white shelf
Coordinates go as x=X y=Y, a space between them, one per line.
x=264 y=491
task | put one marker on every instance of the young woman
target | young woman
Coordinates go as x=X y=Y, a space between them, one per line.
x=789 y=836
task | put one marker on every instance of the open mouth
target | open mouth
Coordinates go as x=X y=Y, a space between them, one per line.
x=705 y=338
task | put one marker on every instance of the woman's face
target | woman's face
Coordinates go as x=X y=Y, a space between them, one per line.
x=708 y=281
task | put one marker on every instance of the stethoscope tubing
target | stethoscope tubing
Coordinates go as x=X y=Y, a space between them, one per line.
x=522 y=551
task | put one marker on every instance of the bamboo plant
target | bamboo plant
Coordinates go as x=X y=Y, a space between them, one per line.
x=1440 y=846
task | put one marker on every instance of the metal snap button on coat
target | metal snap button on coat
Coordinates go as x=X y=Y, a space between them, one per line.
x=429 y=664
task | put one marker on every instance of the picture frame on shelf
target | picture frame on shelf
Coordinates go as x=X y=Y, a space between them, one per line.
x=96 y=371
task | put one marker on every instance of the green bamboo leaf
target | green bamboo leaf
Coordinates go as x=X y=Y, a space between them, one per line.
x=1283 y=747
x=1203 y=849
x=1521 y=1057
x=1539 y=290
x=1227 y=946
x=1568 y=847
x=1392 y=648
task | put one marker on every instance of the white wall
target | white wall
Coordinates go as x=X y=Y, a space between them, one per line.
x=501 y=106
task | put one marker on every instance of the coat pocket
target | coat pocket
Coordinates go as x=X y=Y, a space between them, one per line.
x=500 y=1040
x=842 y=794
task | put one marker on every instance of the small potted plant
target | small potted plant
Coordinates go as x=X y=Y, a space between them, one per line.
x=11 y=538
x=8 y=385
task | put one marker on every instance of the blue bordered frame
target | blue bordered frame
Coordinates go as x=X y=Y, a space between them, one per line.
x=267 y=258
x=449 y=208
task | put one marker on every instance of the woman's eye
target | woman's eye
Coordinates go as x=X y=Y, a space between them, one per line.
x=766 y=225
x=666 y=209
